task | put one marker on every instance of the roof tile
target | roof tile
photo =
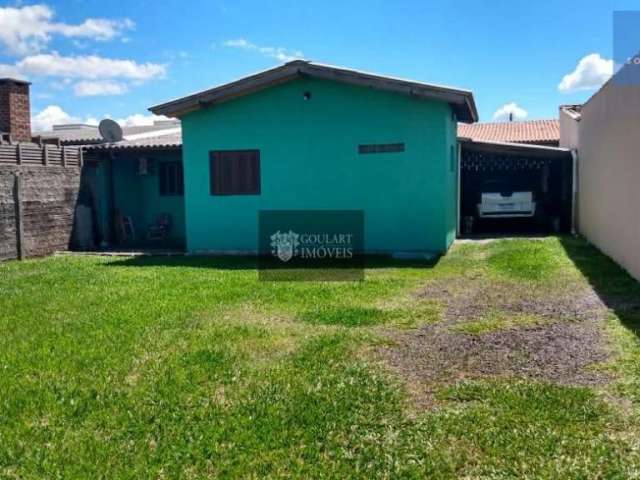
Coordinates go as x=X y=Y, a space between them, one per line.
x=531 y=131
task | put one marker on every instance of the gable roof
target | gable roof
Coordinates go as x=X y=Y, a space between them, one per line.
x=461 y=100
x=532 y=131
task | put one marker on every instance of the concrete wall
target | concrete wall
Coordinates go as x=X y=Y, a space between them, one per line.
x=48 y=201
x=609 y=173
x=309 y=160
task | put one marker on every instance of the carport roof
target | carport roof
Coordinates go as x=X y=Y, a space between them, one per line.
x=461 y=101
x=520 y=149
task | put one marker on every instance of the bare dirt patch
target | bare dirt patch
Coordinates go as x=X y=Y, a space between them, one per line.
x=563 y=350
x=467 y=299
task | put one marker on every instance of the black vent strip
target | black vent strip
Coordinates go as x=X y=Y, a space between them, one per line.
x=381 y=148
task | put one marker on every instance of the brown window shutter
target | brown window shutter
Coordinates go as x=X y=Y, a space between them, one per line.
x=234 y=172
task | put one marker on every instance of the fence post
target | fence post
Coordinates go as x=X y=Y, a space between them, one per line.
x=64 y=156
x=17 y=202
x=45 y=155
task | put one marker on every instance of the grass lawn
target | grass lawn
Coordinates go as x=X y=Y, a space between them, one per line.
x=192 y=368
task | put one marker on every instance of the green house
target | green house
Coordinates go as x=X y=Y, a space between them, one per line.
x=305 y=136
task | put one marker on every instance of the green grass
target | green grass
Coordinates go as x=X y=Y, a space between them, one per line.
x=531 y=260
x=417 y=313
x=192 y=368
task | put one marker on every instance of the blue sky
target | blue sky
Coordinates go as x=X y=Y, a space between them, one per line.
x=90 y=59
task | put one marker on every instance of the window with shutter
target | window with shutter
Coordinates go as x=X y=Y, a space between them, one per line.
x=234 y=172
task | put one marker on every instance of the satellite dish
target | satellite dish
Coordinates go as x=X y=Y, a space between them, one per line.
x=110 y=130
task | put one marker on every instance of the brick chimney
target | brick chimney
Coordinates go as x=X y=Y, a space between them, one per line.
x=15 y=115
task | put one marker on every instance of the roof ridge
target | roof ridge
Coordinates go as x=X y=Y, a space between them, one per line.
x=461 y=101
x=537 y=120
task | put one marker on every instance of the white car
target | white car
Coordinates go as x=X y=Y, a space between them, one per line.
x=506 y=205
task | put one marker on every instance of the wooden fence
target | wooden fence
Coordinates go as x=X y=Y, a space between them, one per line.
x=44 y=155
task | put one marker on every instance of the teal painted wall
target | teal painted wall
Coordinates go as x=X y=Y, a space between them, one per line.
x=138 y=196
x=309 y=160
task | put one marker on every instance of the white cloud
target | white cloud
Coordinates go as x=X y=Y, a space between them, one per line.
x=139 y=119
x=510 y=109
x=89 y=67
x=11 y=71
x=591 y=72
x=28 y=29
x=88 y=88
x=279 y=53
x=99 y=75
x=50 y=116
x=95 y=28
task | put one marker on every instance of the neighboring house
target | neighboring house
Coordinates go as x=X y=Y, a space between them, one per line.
x=522 y=157
x=133 y=186
x=310 y=136
x=534 y=132
x=603 y=131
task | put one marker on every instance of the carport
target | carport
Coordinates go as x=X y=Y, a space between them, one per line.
x=544 y=174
